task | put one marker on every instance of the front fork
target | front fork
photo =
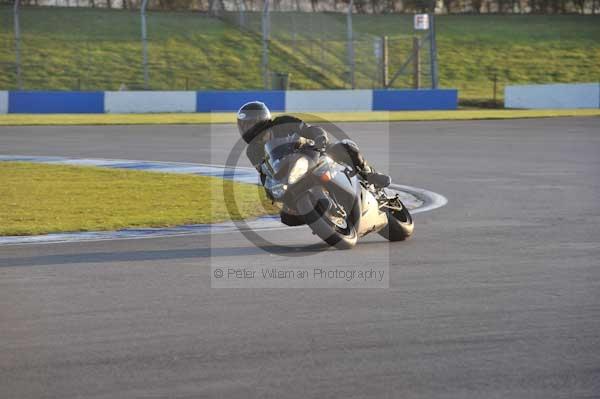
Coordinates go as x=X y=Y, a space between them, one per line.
x=323 y=195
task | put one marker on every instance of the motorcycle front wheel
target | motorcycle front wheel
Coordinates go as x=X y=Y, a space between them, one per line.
x=400 y=224
x=330 y=222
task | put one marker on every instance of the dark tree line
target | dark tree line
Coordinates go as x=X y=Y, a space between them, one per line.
x=360 y=6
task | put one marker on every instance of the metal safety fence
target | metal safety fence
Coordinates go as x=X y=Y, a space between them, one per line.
x=334 y=52
x=105 y=49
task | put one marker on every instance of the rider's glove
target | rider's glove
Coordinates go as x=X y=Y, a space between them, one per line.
x=320 y=142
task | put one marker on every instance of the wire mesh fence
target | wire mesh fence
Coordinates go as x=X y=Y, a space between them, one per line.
x=322 y=47
x=92 y=49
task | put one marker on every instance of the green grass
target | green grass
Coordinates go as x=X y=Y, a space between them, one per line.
x=38 y=199
x=517 y=48
x=100 y=49
x=200 y=118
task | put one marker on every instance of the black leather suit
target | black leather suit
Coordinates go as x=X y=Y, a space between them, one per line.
x=345 y=151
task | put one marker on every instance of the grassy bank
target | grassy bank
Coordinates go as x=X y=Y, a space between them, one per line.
x=100 y=49
x=515 y=48
x=38 y=199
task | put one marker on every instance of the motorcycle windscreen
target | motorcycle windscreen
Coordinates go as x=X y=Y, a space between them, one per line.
x=276 y=151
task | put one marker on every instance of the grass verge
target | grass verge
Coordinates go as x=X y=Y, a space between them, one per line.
x=39 y=199
x=200 y=118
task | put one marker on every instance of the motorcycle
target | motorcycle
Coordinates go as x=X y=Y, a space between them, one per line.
x=336 y=203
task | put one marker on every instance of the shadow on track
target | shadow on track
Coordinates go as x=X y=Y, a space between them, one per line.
x=174 y=254
x=154 y=255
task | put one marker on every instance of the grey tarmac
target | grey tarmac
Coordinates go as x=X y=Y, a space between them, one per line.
x=497 y=295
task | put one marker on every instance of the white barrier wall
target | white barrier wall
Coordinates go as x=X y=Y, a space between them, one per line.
x=120 y=102
x=576 y=95
x=3 y=102
x=328 y=100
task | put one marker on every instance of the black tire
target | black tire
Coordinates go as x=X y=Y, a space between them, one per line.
x=400 y=225
x=324 y=228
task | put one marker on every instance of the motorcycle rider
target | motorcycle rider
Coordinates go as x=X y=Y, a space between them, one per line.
x=257 y=127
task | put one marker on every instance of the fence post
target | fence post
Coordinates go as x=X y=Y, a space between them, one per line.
x=384 y=62
x=294 y=44
x=265 y=44
x=416 y=62
x=242 y=13
x=495 y=87
x=144 y=43
x=433 y=51
x=350 y=44
x=17 y=44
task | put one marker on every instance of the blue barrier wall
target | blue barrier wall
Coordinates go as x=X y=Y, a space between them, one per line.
x=414 y=100
x=56 y=102
x=225 y=100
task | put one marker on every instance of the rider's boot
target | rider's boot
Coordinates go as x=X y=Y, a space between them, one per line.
x=375 y=178
x=346 y=151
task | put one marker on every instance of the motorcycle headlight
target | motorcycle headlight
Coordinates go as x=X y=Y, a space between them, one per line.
x=278 y=190
x=298 y=170
x=323 y=166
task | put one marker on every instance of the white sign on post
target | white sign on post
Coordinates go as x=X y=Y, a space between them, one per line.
x=421 y=21
x=377 y=48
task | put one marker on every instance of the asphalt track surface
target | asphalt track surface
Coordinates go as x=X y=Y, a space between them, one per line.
x=496 y=296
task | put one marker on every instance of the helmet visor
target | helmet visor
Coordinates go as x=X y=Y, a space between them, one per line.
x=250 y=120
